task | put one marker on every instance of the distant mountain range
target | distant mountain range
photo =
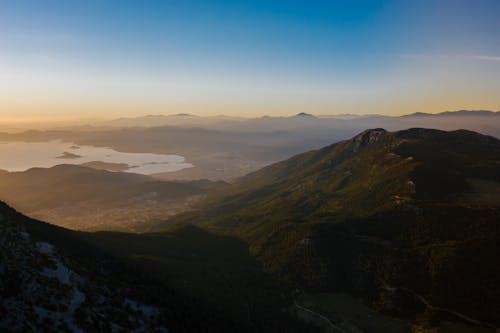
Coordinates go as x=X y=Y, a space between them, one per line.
x=460 y=113
x=225 y=148
x=177 y=119
x=172 y=119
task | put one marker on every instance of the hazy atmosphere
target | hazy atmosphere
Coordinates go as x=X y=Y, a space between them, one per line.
x=249 y=166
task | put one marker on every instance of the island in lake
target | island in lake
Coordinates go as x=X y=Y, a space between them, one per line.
x=109 y=166
x=67 y=155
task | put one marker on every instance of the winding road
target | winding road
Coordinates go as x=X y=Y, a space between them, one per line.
x=319 y=315
x=448 y=311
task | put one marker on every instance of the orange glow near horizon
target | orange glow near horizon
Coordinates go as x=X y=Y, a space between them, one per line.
x=71 y=62
x=34 y=112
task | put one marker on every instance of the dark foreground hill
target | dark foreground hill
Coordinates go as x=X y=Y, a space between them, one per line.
x=45 y=289
x=57 y=280
x=408 y=220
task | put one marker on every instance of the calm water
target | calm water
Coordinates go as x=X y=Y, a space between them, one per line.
x=20 y=156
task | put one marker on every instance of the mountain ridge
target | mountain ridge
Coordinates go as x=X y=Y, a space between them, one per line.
x=378 y=191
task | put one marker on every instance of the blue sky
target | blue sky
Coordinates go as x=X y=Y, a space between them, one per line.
x=247 y=57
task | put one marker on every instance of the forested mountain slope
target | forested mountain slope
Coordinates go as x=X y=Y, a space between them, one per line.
x=385 y=215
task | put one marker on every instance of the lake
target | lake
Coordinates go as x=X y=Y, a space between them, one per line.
x=20 y=156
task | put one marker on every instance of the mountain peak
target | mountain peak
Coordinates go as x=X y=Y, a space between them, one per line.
x=368 y=137
x=304 y=114
x=373 y=131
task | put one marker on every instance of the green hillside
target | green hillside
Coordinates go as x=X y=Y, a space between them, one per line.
x=387 y=216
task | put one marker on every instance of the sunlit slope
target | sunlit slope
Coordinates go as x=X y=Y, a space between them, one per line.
x=374 y=172
x=418 y=209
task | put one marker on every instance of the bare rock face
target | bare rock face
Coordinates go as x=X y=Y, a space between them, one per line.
x=368 y=138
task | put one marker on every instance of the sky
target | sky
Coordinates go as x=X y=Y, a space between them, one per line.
x=92 y=58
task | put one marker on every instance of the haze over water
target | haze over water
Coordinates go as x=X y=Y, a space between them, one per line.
x=20 y=156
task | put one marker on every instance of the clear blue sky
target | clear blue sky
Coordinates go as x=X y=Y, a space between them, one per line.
x=248 y=57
